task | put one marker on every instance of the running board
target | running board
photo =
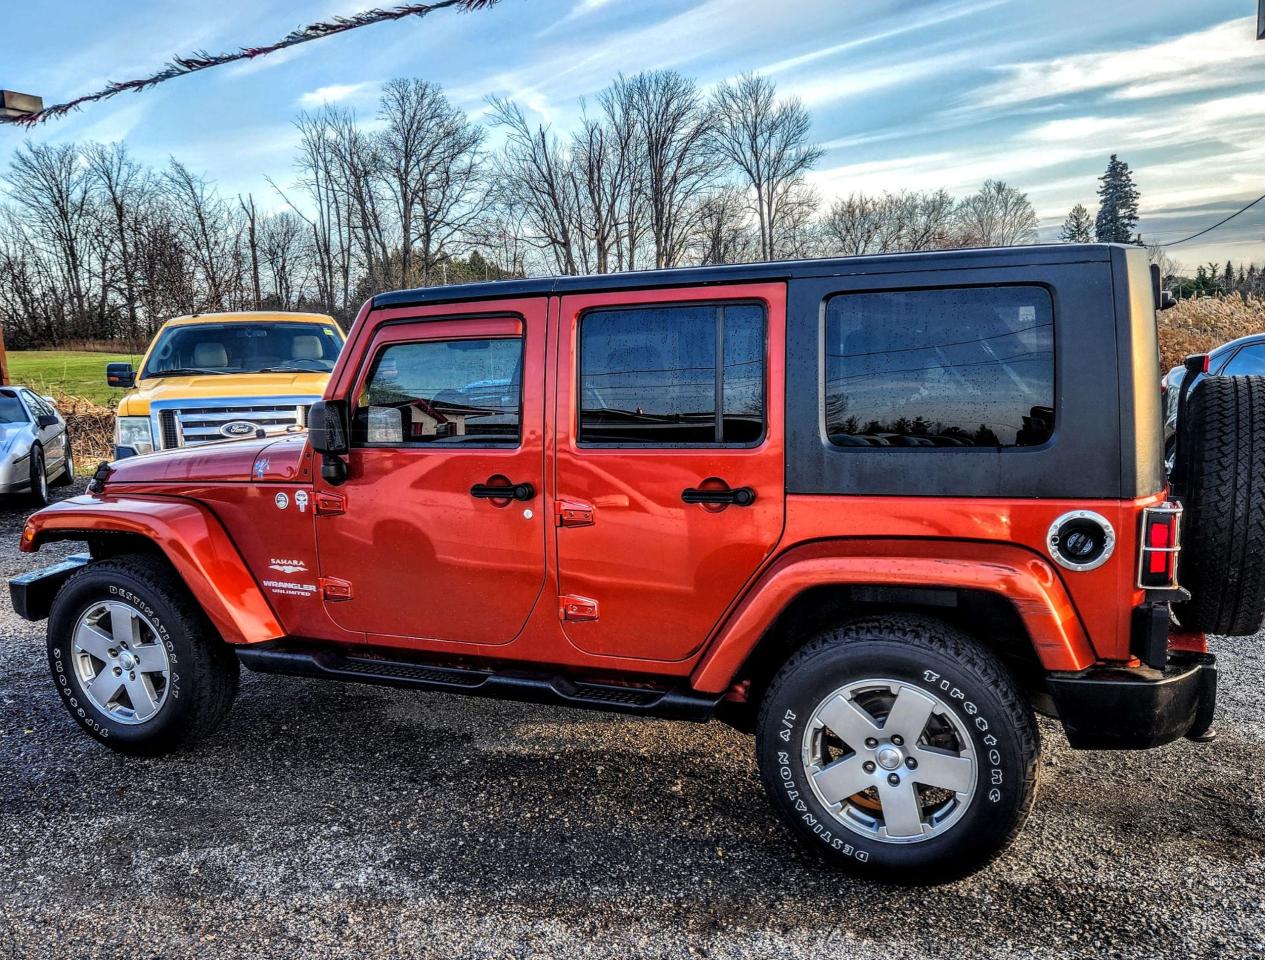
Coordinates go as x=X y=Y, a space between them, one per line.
x=326 y=664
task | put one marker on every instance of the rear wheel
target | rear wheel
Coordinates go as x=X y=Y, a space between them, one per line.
x=899 y=749
x=1221 y=479
x=135 y=660
x=67 y=476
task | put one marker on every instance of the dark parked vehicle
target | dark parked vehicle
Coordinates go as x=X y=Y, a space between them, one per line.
x=1243 y=357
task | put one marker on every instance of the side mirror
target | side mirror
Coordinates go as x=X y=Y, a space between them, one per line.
x=327 y=427
x=120 y=375
x=1198 y=363
x=47 y=420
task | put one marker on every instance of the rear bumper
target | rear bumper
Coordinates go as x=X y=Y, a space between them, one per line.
x=1109 y=708
x=32 y=593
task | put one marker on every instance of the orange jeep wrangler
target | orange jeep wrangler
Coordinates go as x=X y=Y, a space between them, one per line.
x=877 y=511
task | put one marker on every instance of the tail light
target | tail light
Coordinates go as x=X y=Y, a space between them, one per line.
x=1160 y=546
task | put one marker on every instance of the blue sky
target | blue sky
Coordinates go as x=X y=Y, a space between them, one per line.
x=904 y=93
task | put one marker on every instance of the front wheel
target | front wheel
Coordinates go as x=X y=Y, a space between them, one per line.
x=134 y=659
x=900 y=749
x=39 y=478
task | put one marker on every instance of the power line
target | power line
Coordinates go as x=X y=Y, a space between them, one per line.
x=181 y=66
x=1173 y=243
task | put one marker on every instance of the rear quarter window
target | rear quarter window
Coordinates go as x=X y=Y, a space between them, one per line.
x=961 y=367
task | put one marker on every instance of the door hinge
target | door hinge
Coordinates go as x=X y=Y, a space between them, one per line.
x=576 y=608
x=330 y=504
x=573 y=513
x=335 y=588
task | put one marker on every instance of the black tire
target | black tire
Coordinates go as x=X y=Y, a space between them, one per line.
x=935 y=661
x=202 y=678
x=67 y=476
x=38 y=494
x=1221 y=480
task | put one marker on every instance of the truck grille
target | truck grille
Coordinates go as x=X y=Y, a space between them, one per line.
x=188 y=426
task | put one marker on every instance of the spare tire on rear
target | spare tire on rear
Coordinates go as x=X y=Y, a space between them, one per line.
x=1220 y=477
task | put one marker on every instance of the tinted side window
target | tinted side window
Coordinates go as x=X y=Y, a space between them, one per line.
x=971 y=367
x=1249 y=361
x=443 y=392
x=664 y=376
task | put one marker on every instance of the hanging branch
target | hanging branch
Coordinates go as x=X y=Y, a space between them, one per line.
x=202 y=60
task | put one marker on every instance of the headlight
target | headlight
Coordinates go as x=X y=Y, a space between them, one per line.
x=134 y=432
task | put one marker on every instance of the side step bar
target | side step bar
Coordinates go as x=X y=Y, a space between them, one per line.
x=326 y=664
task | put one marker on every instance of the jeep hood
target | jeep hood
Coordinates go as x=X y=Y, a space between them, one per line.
x=254 y=386
x=270 y=459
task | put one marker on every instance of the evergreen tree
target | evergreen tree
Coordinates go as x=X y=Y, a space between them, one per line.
x=1117 y=205
x=1078 y=227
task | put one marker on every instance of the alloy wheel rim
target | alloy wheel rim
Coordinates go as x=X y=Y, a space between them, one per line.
x=121 y=662
x=890 y=761
x=41 y=475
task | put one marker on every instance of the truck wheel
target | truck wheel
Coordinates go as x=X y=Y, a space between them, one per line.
x=135 y=660
x=1221 y=479
x=899 y=749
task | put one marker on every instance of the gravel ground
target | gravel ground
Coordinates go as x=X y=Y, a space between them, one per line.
x=338 y=820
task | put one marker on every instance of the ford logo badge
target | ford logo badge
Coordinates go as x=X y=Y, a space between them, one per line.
x=239 y=428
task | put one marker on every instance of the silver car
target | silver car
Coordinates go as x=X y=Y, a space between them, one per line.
x=34 y=445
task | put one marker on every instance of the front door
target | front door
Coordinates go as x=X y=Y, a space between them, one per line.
x=438 y=533
x=669 y=461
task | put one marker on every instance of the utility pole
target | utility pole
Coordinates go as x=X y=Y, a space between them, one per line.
x=14 y=104
x=1260 y=21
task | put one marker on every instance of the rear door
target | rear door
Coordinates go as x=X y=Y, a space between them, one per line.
x=669 y=467
x=429 y=535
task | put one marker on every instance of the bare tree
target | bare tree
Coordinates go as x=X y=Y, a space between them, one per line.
x=536 y=176
x=125 y=190
x=202 y=220
x=433 y=163
x=669 y=123
x=282 y=248
x=997 y=216
x=48 y=184
x=767 y=140
x=724 y=233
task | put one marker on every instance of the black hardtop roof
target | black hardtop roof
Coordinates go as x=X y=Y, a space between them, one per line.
x=749 y=272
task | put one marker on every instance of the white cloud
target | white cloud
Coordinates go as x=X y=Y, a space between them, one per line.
x=939 y=18
x=334 y=93
x=1217 y=56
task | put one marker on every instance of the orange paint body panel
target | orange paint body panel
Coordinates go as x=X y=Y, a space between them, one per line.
x=195 y=542
x=664 y=571
x=1013 y=572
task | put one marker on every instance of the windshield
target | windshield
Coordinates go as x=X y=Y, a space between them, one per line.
x=11 y=409
x=234 y=348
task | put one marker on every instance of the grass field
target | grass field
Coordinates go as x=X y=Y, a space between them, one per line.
x=77 y=372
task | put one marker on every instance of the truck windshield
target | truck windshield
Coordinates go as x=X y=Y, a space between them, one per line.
x=237 y=348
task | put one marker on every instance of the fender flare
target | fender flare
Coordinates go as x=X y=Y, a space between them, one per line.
x=192 y=539
x=1016 y=574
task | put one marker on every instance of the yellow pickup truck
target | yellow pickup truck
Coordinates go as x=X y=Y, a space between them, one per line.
x=223 y=376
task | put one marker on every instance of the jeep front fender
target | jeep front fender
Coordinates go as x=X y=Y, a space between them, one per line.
x=191 y=538
x=1014 y=573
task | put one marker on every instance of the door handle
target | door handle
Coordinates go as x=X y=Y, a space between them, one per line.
x=519 y=491
x=739 y=496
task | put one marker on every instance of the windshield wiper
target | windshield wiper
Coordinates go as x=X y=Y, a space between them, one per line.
x=284 y=369
x=186 y=372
